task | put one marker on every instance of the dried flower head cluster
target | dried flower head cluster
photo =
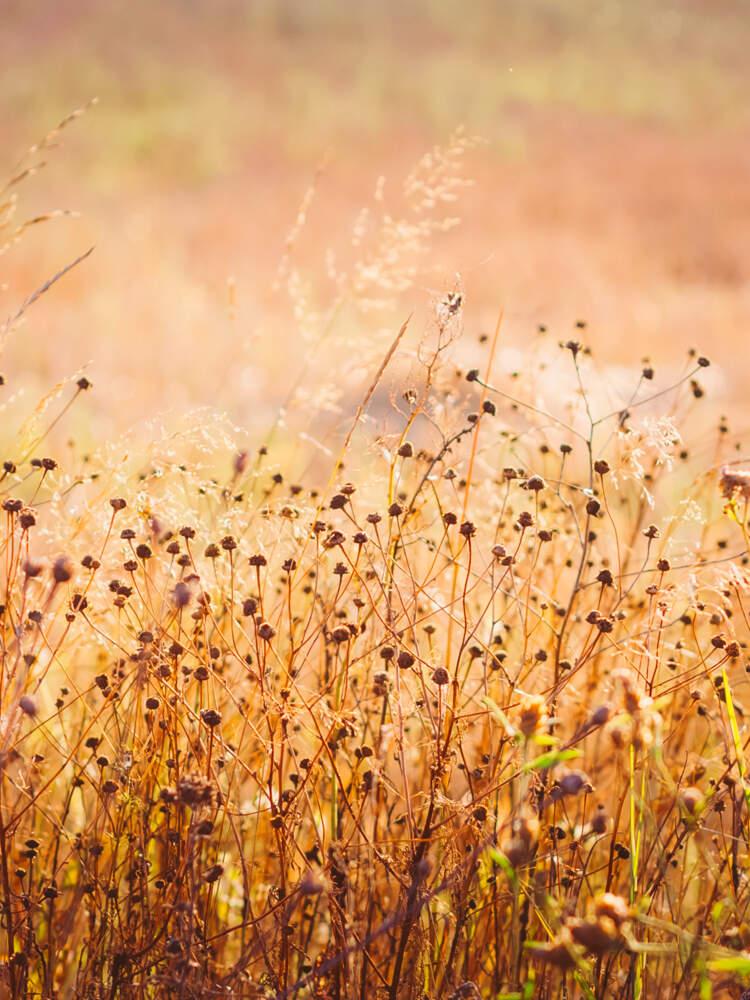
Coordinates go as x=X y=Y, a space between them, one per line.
x=467 y=722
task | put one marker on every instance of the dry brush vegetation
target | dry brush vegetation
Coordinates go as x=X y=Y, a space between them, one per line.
x=466 y=725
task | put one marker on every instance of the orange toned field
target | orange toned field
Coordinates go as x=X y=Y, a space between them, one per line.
x=611 y=187
x=375 y=494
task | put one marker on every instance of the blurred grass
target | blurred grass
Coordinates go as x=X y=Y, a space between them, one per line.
x=612 y=185
x=185 y=86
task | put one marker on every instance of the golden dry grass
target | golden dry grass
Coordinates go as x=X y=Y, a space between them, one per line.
x=422 y=673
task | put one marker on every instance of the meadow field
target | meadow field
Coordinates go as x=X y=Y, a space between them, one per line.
x=374 y=571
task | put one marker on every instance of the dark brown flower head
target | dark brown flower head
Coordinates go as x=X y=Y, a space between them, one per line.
x=181 y=594
x=211 y=717
x=193 y=790
x=213 y=874
x=62 y=569
x=266 y=631
x=27 y=518
x=32 y=569
x=28 y=705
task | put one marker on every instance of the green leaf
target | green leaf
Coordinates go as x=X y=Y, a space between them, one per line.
x=499 y=858
x=547 y=760
x=739 y=964
x=545 y=739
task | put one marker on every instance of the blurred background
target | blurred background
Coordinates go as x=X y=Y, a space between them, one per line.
x=610 y=185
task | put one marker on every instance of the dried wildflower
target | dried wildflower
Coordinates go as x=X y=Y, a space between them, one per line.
x=28 y=705
x=62 y=569
x=612 y=906
x=734 y=482
x=181 y=595
x=194 y=790
x=266 y=631
x=691 y=799
x=27 y=518
x=597 y=936
x=211 y=717
x=570 y=783
x=213 y=874
x=599 y=821
x=532 y=714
